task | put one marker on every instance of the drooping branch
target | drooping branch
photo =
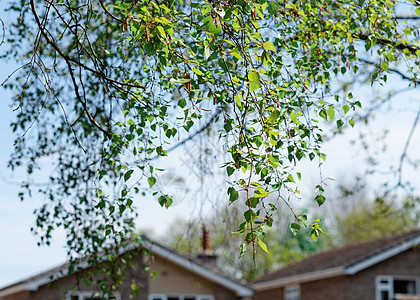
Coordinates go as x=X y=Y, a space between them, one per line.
x=71 y=59
x=68 y=61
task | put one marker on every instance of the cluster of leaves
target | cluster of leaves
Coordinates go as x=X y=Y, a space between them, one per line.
x=106 y=86
x=284 y=244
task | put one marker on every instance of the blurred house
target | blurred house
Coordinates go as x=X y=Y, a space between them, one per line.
x=381 y=269
x=179 y=278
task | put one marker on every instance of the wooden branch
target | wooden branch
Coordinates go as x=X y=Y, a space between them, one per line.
x=68 y=61
x=411 y=48
x=71 y=59
x=392 y=70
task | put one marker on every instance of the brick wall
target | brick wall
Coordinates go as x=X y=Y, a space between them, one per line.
x=362 y=285
x=17 y=296
x=330 y=288
x=176 y=280
x=277 y=294
x=59 y=288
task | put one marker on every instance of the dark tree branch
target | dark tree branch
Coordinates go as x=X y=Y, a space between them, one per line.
x=71 y=59
x=398 y=72
x=411 y=48
x=407 y=18
x=109 y=13
x=68 y=61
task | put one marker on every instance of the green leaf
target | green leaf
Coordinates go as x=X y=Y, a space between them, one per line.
x=206 y=8
x=253 y=76
x=294 y=227
x=262 y=245
x=294 y=118
x=261 y=193
x=101 y=204
x=197 y=71
x=351 y=122
x=161 y=31
x=233 y=195
x=273 y=7
x=253 y=86
x=314 y=235
x=111 y=210
x=320 y=199
x=230 y=170
x=290 y=178
x=242 y=249
x=269 y=46
x=127 y=175
x=346 y=108
x=236 y=54
x=211 y=27
x=319 y=189
x=331 y=112
x=384 y=65
x=206 y=52
x=182 y=102
x=165 y=201
x=151 y=181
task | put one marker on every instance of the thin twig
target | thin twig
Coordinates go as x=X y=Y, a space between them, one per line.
x=407 y=143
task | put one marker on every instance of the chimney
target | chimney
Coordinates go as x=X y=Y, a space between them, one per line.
x=207 y=257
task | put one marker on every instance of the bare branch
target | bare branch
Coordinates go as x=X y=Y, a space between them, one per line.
x=70 y=59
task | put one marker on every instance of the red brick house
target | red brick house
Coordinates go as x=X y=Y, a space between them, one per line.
x=179 y=278
x=382 y=269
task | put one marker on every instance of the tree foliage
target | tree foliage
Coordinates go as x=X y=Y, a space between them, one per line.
x=357 y=220
x=105 y=87
x=378 y=219
x=283 y=244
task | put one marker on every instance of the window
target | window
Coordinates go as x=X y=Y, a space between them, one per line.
x=395 y=288
x=292 y=293
x=180 y=297
x=90 y=295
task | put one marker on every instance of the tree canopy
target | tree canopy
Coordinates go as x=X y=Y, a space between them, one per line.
x=106 y=87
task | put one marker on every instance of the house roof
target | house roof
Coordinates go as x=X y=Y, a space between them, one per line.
x=346 y=260
x=34 y=282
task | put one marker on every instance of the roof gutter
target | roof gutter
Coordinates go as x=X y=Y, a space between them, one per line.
x=317 y=275
x=341 y=270
x=388 y=253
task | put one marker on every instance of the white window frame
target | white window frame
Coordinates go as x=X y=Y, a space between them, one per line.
x=388 y=285
x=294 y=295
x=180 y=297
x=86 y=294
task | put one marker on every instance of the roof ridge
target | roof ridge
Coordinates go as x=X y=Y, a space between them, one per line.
x=345 y=256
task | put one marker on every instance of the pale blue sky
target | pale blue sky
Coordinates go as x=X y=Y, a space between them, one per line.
x=22 y=258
